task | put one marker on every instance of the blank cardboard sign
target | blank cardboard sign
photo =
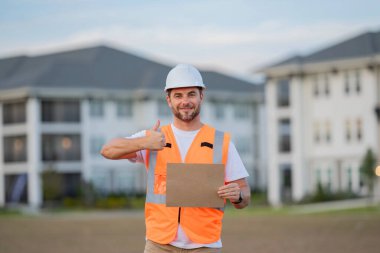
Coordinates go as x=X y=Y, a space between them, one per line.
x=194 y=185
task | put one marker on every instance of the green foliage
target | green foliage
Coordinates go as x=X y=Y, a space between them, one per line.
x=323 y=195
x=9 y=212
x=87 y=196
x=137 y=202
x=72 y=202
x=259 y=199
x=111 y=203
x=367 y=169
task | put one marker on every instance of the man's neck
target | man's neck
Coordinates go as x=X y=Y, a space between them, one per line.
x=193 y=125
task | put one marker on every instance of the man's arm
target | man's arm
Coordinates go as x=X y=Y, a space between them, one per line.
x=234 y=189
x=123 y=148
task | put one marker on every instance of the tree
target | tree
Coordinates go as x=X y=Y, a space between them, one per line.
x=367 y=170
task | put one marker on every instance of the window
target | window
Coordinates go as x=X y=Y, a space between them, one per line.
x=284 y=135
x=283 y=93
x=346 y=82
x=219 y=110
x=327 y=85
x=349 y=179
x=96 y=108
x=111 y=180
x=329 y=179
x=328 y=131
x=64 y=185
x=96 y=144
x=60 y=111
x=359 y=130
x=163 y=109
x=15 y=149
x=124 y=108
x=71 y=184
x=317 y=135
x=14 y=113
x=316 y=86
x=357 y=81
x=352 y=81
x=286 y=182
x=243 y=145
x=241 y=111
x=61 y=147
x=318 y=176
x=16 y=188
x=348 y=130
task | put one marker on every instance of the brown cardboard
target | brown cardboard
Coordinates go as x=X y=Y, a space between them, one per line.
x=194 y=185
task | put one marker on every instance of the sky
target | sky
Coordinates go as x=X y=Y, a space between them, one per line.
x=235 y=37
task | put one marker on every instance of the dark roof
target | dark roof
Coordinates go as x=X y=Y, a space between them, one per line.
x=292 y=60
x=218 y=81
x=98 y=67
x=366 y=44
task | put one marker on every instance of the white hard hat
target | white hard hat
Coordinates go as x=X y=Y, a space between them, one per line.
x=184 y=75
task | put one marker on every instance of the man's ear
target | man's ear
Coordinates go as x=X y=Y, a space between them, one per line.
x=168 y=101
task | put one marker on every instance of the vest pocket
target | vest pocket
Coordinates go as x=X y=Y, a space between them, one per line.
x=159 y=184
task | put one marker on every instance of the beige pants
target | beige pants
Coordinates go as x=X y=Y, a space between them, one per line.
x=152 y=247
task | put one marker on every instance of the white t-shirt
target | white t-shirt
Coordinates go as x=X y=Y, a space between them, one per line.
x=234 y=170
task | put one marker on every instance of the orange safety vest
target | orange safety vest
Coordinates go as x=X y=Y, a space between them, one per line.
x=201 y=225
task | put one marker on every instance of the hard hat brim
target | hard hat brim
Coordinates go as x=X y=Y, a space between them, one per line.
x=185 y=86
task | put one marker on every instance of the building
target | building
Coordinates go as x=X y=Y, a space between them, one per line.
x=321 y=119
x=57 y=111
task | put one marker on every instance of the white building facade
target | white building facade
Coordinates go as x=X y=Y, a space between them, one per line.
x=321 y=120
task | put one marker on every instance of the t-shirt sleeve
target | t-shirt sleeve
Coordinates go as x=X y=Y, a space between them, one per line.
x=140 y=158
x=235 y=168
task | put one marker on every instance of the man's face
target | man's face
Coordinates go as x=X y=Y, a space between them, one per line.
x=185 y=103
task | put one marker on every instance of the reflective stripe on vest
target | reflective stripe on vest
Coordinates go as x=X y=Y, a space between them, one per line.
x=151 y=197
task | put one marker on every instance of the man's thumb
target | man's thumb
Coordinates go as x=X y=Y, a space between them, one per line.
x=156 y=126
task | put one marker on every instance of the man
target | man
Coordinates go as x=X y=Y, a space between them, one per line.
x=188 y=140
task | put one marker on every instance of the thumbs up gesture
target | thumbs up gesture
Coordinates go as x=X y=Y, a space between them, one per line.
x=155 y=140
x=156 y=126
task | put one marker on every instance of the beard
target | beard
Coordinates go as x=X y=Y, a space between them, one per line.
x=186 y=116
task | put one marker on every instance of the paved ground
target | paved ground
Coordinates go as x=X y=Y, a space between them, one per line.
x=124 y=232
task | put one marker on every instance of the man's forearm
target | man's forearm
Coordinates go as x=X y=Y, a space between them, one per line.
x=123 y=148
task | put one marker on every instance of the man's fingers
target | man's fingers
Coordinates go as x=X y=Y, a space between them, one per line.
x=236 y=190
x=228 y=186
x=231 y=195
x=156 y=126
x=229 y=191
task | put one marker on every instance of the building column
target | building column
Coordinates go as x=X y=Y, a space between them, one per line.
x=299 y=179
x=376 y=193
x=85 y=140
x=272 y=137
x=2 y=181
x=34 y=152
x=376 y=188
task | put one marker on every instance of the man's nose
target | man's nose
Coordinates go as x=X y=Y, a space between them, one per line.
x=185 y=100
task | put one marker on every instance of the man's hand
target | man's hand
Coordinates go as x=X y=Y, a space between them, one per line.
x=230 y=191
x=126 y=148
x=155 y=140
